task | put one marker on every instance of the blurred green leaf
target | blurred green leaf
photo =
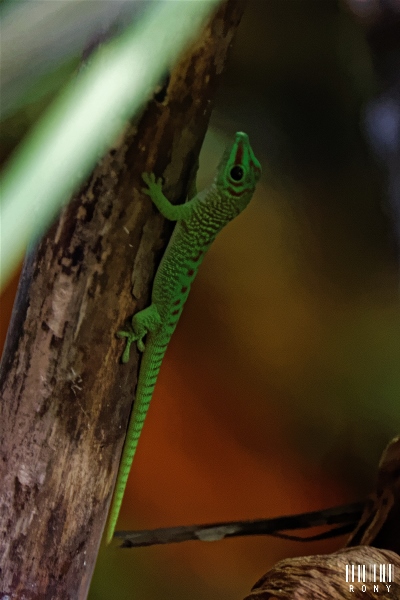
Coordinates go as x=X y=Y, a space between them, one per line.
x=57 y=31
x=80 y=125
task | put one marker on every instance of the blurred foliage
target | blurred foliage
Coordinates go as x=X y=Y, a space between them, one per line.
x=49 y=164
x=33 y=58
x=280 y=387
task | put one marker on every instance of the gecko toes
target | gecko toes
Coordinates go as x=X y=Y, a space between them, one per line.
x=149 y=178
x=125 y=356
x=123 y=334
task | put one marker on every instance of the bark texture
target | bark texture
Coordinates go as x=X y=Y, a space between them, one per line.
x=65 y=396
x=323 y=577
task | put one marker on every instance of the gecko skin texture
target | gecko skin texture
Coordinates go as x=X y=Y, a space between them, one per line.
x=198 y=222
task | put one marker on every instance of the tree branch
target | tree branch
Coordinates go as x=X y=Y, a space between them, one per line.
x=348 y=514
x=66 y=397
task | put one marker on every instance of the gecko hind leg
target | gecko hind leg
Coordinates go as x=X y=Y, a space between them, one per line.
x=143 y=322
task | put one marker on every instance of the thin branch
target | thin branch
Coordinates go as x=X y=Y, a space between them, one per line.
x=348 y=515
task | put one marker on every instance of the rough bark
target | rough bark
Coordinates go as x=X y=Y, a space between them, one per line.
x=66 y=397
x=323 y=577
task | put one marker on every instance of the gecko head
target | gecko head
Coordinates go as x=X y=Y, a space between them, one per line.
x=238 y=172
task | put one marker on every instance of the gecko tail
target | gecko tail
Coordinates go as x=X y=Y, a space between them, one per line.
x=150 y=366
x=131 y=442
x=122 y=479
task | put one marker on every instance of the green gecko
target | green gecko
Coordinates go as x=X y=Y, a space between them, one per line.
x=198 y=222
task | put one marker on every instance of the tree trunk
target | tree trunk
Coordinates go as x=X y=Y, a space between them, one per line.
x=66 y=396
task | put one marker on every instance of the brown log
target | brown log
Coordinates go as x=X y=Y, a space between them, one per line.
x=375 y=541
x=323 y=577
x=379 y=525
x=65 y=396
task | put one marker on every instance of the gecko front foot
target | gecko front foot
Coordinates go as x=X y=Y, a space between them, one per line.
x=154 y=186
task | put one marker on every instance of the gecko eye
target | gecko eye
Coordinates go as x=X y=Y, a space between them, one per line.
x=236 y=173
